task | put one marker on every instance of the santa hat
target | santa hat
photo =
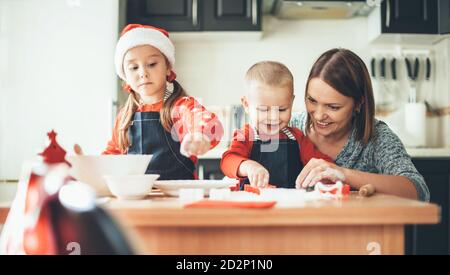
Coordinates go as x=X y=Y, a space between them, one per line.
x=134 y=35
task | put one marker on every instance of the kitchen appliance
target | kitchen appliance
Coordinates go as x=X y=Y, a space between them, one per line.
x=237 y=118
x=415 y=124
x=383 y=78
x=384 y=96
x=428 y=69
x=412 y=75
x=318 y=9
x=415 y=111
x=394 y=75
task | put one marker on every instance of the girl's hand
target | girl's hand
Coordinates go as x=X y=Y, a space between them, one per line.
x=256 y=173
x=319 y=170
x=195 y=144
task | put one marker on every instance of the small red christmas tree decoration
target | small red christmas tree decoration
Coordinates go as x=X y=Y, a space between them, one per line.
x=54 y=153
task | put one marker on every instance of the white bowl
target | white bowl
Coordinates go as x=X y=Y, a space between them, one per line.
x=130 y=187
x=90 y=169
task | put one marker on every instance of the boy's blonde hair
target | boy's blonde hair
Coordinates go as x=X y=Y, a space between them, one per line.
x=271 y=73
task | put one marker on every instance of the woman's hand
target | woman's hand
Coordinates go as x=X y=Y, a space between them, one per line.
x=195 y=144
x=256 y=173
x=319 y=170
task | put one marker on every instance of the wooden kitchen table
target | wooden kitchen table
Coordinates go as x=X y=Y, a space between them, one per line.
x=354 y=225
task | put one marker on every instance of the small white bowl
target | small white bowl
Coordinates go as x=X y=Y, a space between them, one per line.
x=130 y=187
x=90 y=168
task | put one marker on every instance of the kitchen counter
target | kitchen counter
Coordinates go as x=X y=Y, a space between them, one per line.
x=216 y=153
x=350 y=226
x=429 y=152
x=354 y=225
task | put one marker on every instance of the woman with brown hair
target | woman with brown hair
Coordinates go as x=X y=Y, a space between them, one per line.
x=340 y=121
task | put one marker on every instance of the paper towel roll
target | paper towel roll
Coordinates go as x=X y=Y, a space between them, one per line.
x=415 y=124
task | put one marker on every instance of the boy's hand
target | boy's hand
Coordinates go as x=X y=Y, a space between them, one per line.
x=256 y=173
x=195 y=144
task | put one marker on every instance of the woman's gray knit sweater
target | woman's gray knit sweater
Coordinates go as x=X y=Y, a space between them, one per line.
x=384 y=154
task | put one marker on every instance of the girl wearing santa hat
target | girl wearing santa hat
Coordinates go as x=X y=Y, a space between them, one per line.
x=156 y=118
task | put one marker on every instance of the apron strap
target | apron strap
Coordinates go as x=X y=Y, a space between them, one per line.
x=285 y=130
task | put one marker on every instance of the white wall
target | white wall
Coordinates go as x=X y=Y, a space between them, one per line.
x=56 y=72
x=436 y=91
x=440 y=96
x=215 y=70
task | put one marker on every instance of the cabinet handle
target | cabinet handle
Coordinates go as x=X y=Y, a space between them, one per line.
x=194 y=12
x=388 y=13
x=254 y=12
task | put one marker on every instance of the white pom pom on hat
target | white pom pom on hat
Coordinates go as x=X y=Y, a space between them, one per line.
x=134 y=35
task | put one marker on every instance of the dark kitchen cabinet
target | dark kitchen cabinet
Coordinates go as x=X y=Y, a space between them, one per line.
x=432 y=239
x=232 y=15
x=419 y=239
x=415 y=16
x=197 y=15
x=209 y=169
x=444 y=16
x=178 y=15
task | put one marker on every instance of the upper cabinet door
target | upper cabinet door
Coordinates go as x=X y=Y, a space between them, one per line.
x=409 y=16
x=232 y=15
x=444 y=16
x=173 y=15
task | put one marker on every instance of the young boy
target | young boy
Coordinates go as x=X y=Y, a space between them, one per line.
x=267 y=151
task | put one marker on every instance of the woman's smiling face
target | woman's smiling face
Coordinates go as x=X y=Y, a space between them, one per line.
x=330 y=111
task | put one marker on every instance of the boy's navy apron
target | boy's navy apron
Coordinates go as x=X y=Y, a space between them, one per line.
x=283 y=164
x=148 y=136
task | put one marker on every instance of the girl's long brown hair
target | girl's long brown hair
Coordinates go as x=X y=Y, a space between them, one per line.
x=132 y=104
x=346 y=72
